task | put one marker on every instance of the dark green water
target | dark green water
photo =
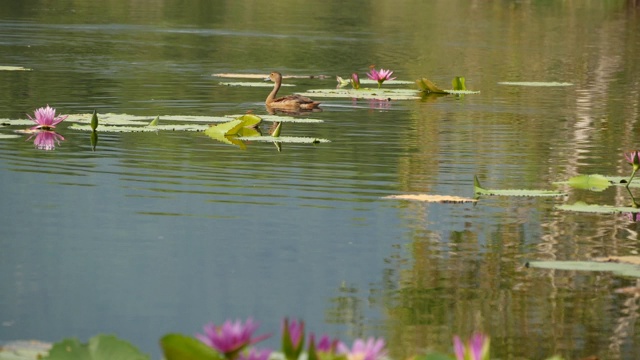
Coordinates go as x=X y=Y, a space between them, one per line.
x=157 y=233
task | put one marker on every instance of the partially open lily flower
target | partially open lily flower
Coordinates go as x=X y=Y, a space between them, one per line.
x=477 y=348
x=45 y=118
x=380 y=76
x=46 y=139
x=231 y=337
x=355 y=81
x=370 y=349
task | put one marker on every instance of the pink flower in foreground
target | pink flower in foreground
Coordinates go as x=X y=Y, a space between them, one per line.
x=477 y=348
x=231 y=337
x=371 y=349
x=46 y=140
x=46 y=118
x=380 y=76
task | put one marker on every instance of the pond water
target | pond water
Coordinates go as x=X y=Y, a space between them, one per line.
x=163 y=232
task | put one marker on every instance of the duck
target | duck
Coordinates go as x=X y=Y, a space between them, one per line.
x=289 y=102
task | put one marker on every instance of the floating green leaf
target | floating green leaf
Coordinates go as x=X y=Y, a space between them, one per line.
x=155 y=121
x=94 y=120
x=180 y=347
x=616 y=268
x=252 y=84
x=364 y=93
x=229 y=128
x=602 y=209
x=142 y=128
x=250 y=120
x=535 y=83
x=286 y=139
x=9 y=136
x=100 y=347
x=428 y=87
x=479 y=190
x=14 y=68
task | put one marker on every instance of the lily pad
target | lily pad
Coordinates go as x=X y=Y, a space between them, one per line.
x=143 y=128
x=101 y=347
x=229 y=128
x=602 y=209
x=285 y=139
x=432 y=198
x=262 y=76
x=9 y=136
x=252 y=84
x=535 y=83
x=479 y=190
x=617 y=268
x=14 y=68
x=364 y=93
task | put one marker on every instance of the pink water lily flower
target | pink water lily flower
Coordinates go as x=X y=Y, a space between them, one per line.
x=380 y=76
x=633 y=158
x=46 y=140
x=230 y=337
x=371 y=349
x=46 y=118
x=477 y=348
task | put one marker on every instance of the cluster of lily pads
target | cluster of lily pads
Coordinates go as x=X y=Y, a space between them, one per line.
x=236 y=340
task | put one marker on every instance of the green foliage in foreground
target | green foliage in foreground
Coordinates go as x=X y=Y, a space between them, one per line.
x=101 y=347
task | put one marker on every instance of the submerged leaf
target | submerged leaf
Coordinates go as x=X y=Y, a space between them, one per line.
x=142 y=128
x=479 y=190
x=616 y=268
x=431 y=198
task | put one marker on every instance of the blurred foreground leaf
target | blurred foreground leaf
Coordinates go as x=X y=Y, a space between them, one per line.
x=100 y=347
x=180 y=347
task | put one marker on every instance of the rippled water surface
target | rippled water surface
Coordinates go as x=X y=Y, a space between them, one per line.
x=163 y=232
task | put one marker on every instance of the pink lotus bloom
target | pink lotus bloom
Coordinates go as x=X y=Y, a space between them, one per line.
x=255 y=354
x=371 y=349
x=477 y=348
x=633 y=158
x=46 y=140
x=231 y=337
x=46 y=118
x=380 y=76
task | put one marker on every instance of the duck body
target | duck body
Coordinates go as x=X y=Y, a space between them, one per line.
x=289 y=102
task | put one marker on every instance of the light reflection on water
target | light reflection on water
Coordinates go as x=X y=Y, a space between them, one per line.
x=157 y=233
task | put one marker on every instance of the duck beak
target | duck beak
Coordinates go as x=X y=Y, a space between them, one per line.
x=267 y=79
